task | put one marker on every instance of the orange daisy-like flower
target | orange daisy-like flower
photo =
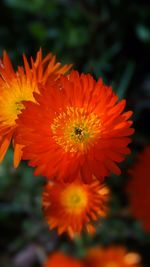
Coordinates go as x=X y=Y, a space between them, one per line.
x=139 y=189
x=70 y=207
x=16 y=87
x=59 y=259
x=111 y=257
x=75 y=126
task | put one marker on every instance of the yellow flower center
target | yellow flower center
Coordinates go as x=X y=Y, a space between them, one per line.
x=74 y=199
x=132 y=258
x=75 y=129
x=11 y=100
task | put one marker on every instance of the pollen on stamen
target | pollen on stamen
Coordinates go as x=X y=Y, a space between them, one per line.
x=78 y=129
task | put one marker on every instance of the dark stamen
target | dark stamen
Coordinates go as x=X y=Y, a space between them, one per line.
x=78 y=131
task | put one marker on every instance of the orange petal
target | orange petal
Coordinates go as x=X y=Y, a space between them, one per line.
x=17 y=154
x=90 y=229
x=4 y=144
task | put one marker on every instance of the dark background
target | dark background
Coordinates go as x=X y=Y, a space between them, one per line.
x=106 y=38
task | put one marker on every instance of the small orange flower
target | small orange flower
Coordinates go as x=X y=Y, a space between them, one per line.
x=74 y=206
x=76 y=125
x=59 y=259
x=111 y=257
x=139 y=189
x=16 y=87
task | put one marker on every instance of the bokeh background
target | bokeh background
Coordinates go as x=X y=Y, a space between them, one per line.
x=106 y=38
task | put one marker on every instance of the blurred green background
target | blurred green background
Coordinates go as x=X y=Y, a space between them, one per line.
x=106 y=38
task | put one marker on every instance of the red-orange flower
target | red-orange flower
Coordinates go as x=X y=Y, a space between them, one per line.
x=59 y=259
x=77 y=125
x=71 y=207
x=18 y=86
x=111 y=257
x=139 y=188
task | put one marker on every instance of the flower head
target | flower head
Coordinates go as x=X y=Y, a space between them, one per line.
x=111 y=257
x=71 y=207
x=16 y=87
x=139 y=188
x=58 y=259
x=76 y=125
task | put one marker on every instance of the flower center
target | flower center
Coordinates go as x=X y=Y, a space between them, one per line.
x=11 y=110
x=78 y=131
x=75 y=129
x=11 y=100
x=74 y=198
x=19 y=106
x=132 y=258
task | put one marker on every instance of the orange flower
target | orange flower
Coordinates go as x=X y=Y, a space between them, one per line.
x=139 y=188
x=58 y=259
x=75 y=126
x=74 y=206
x=111 y=257
x=16 y=87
